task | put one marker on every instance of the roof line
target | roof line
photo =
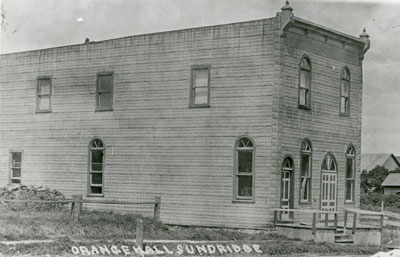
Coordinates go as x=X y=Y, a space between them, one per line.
x=144 y=34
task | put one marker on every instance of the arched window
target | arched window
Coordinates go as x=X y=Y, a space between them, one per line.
x=345 y=91
x=305 y=171
x=244 y=170
x=96 y=168
x=350 y=168
x=287 y=184
x=305 y=83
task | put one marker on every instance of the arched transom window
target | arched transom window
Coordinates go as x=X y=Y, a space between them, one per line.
x=305 y=172
x=96 y=168
x=244 y=170
x=345 y=91
x=305 y=83
x=350 y=168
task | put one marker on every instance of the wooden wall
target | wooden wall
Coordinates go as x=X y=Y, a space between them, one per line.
x=155 y=144
x=328 y=131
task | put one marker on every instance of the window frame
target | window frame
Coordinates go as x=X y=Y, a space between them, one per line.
x=39 y=95
x=307 y=105
x=350 y=154
x=348 y=80
x=11 y=167
x=236 y=197
x=192 y=90
x=90 y=172
x=301 y=177
x=98 y=93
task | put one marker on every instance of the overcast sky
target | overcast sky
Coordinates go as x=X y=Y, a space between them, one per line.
x=35 y=24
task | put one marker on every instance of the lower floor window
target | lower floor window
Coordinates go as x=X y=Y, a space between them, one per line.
x=96 y=167
x=244 y=170
x=15 y=167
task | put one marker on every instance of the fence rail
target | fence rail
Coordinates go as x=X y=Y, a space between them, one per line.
x=77 y=202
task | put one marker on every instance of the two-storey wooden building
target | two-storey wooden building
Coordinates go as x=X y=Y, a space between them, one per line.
x=224 y=122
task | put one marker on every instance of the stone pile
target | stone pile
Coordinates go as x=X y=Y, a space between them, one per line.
x=36 y=193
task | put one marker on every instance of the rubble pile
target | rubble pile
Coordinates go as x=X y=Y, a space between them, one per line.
x=37 y=193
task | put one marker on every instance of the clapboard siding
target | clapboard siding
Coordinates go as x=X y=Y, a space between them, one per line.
x=322 y=125
x=155 y=144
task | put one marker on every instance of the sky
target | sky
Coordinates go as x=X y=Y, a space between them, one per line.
x=35 y=24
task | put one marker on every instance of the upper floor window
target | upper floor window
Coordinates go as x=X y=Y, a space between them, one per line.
x=345 y=92
x=244 y=170
x=43 y=92
x=104 y=91
x=15 y=167
x=305 y=172
x=350 y=168
x=305 y=83
x=96 y=168
x=200 y=86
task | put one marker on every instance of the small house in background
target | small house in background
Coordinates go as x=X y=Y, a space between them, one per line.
x=391 y=185
x=370 y=160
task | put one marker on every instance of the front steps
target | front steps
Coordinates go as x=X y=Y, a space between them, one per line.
x=343 y=238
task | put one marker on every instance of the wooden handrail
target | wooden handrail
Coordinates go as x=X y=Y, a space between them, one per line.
x=306 y=211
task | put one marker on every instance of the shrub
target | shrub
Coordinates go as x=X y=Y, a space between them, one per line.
x=22 y=192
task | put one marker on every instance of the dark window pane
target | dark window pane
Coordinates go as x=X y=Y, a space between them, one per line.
x=16 y=157
x=97 y=178
x=302 y=99
x=97 y=167
x=16 y=173
x=97 y=156
x=304 y=189
x=305 y=165
x=105 y=83
x=245 y=186
x=105 y=100
x=15 y=181
x=333 y=166
x=96 y=143
x=96 y=190
x=245 y=159
x=349 y=189
x=350 y=167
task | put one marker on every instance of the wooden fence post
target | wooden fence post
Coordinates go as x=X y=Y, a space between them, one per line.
x=382 y=220
x=335 y=221
x=139 y=233
x=326 y=219
x=345 y=221
x=275 y=217
x=157 y=208
x=354 y=222
x=314 y=223
x=382 y=205
x=76 y=206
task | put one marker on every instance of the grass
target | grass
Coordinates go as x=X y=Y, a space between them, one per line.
x=115 y=229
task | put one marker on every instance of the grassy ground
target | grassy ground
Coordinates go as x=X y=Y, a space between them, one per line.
x=101 y=228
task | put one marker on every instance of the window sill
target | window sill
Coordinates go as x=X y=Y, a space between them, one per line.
x=304 y=202
x=104 y=110
x=344 y=114
x=304 y=107
x=95 y=195
x=43 y=111
x=349 y=202
x=243 y=201
x=199 y=106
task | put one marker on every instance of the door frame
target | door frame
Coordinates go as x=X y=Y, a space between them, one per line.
x=291 y=184
x=336 y=181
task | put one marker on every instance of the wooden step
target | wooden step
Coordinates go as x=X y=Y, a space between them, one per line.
x=344 y=241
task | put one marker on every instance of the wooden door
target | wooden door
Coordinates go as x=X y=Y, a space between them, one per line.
x=287 y=188
x=329 y=185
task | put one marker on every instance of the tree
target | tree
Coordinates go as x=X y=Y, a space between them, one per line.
x=371 y=181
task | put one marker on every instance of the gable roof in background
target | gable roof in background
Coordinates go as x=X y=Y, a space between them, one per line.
x=370 y=160
x=393 y=179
